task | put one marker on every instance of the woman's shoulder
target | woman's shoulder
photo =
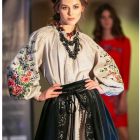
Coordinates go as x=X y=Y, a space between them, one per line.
x=43 y=32
x=125 y=39
x=88 y=40
x=85 y=37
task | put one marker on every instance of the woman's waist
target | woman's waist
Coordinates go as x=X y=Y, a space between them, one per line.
x=74 y=86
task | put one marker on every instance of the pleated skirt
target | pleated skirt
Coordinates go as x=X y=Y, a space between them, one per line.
x=76 y=114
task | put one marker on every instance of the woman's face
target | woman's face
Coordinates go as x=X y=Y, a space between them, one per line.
x=106 y=20
x=70 y=11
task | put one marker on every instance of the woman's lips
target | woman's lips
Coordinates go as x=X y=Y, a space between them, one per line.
x=71 y=19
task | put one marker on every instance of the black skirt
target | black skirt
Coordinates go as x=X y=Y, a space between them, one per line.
x=76 y=114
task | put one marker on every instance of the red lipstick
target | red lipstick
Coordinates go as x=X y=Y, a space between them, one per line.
x=71 y=19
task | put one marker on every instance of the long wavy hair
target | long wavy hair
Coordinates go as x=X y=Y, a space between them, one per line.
x=56 y=16
x=116 y=28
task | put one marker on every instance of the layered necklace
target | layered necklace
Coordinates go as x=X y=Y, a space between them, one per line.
x=66 y=42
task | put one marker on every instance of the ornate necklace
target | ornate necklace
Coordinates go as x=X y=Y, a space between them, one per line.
x=68 y=34
x=66 y=42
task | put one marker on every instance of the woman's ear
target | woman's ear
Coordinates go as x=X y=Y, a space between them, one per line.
x=57 y=10
x=83 y=8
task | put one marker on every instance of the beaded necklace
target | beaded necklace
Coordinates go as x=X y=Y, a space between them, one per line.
x=68 y=34
x=66 y=42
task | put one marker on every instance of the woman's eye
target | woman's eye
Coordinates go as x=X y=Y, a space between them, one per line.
x=75 y=7
x=64 y=8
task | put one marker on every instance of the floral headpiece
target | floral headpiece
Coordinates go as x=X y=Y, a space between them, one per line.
x=53 y=1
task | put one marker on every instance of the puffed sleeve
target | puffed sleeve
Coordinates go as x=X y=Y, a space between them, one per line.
x=23 y=69
x=106 y=72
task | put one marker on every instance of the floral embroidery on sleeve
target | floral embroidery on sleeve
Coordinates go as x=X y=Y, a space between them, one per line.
x=111 y=67
x=21 y=74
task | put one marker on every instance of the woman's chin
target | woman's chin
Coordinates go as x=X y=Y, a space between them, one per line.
x=70 y=22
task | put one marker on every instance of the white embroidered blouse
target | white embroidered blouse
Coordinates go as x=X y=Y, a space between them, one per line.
x=45 y=51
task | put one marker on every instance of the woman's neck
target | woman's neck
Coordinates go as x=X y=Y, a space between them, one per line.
x=107 y=34
x=68 y=28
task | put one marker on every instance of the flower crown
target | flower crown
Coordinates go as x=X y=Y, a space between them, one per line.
x=53 y=1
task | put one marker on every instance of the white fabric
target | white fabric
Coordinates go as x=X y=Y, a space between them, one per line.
x=56 y=66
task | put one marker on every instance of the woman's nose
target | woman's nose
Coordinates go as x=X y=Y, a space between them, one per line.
x=70 y=12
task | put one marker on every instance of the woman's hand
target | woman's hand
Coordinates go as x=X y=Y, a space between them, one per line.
x=49 y=93
x=122 y=106
x=92 y=85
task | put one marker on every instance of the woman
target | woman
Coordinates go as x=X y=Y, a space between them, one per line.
x=109 y=35
x=73 y=108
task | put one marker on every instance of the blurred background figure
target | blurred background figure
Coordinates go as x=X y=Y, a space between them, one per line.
x=109 y=35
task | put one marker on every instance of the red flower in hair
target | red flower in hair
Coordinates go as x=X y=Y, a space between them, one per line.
x=57 y=25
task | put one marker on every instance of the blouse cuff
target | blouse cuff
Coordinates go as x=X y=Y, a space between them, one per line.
x=35 y=93
x=105 y=88
x=36 y=96
x=110 y=91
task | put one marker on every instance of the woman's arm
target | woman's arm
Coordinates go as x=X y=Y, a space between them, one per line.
x=122 y=107
x=23 y=70
x=105 y=71
x=126 y=63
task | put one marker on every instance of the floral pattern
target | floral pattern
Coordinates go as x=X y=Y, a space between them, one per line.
x=111 y=67
x=21 y=75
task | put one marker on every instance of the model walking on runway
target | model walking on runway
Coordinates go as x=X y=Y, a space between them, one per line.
x=73 y=108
